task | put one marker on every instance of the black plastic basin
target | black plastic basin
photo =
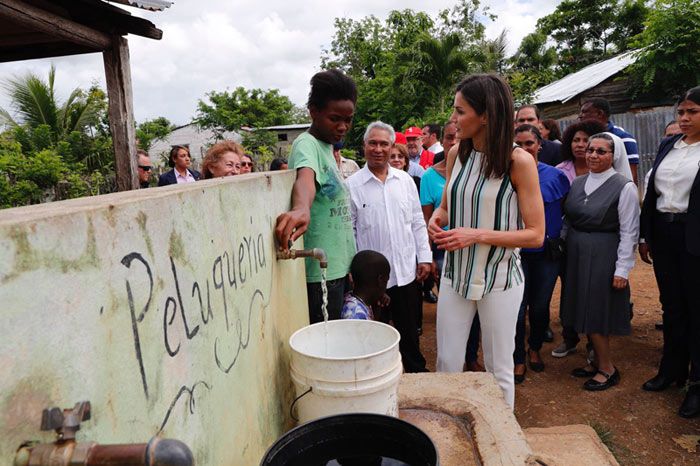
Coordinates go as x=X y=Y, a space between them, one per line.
x=353 y=440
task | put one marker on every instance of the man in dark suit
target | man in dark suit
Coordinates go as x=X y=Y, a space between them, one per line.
x=180 y=160
x=549 y=151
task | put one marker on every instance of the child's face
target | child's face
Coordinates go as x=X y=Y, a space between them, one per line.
x=382 y=280
x=334 y=120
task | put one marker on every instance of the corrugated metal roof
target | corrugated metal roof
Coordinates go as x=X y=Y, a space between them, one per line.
x=573 y=84
x=287 y=127
x=152 y=5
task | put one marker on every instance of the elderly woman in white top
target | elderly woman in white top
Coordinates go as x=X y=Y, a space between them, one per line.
x=602 y=226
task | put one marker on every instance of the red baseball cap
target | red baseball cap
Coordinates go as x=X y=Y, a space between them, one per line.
x=400 y=138
x=413 y=132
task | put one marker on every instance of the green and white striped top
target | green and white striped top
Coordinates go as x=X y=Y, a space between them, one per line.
x=474 y=201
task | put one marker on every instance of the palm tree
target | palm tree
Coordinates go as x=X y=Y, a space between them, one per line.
x=442 y=62
x=35 y=103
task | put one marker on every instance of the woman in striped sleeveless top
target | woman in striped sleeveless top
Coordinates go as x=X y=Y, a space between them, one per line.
x=493 y=206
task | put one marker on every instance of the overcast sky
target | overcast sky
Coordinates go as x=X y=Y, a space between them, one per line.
x=219 y=44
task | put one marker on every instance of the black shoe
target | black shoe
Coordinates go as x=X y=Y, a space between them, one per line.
x=548 y=335
x=691 y=404
x=535 y=366
x=583 y=372
x=429 y=297
x=520 y=378
x=593 y=385
x=657 y=383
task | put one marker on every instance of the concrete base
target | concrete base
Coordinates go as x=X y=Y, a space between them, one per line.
x=574 y=445
x=470 y=423
x=469 y=402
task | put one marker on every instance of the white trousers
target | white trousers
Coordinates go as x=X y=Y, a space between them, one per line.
x=498 y=314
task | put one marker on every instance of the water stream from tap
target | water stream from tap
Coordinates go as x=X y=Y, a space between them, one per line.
x=324 y=306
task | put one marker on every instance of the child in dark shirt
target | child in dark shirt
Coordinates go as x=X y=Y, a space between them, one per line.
x=370 y=274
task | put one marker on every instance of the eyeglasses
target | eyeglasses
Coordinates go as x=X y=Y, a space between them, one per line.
x=146 y=168
x=598 y=151
x=246 y=164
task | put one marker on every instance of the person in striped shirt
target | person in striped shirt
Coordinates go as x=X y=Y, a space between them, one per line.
x=493 y=206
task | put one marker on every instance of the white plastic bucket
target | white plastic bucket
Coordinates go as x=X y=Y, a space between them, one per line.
x=345 y=366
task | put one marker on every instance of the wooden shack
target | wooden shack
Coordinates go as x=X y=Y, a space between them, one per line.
x=563 y=98
x=42 y=29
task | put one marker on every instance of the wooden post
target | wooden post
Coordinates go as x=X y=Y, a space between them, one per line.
x=121 y=113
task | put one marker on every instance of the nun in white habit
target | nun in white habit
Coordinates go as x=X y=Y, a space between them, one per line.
x=602 y=227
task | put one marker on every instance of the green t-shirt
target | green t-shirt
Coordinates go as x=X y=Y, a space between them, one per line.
x=331 y=226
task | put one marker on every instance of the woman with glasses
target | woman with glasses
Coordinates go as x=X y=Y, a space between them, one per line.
x=247 y=164
x=601 y=229
x=222 y=159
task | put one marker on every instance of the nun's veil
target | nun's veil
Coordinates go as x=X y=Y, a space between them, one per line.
x=620 y=162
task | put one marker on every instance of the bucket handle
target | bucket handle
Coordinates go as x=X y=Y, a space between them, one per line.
x=291 y=408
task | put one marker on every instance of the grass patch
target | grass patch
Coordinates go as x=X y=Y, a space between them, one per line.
x=621 y=453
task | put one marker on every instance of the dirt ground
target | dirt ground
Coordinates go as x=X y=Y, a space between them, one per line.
x=640 y=428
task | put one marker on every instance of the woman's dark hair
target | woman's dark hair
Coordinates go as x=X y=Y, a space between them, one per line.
x=331 y=85
x=173 y=154
x=692 y=94
x=216 y=152
x=528 y=128
x=249 y=157
x=554 y=131
x=488 y=94
x=605 y=137
x=277 y=163
x=589 y=127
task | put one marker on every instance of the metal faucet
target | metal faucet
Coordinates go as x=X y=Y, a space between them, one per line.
x=65 y=451
x=317 y=253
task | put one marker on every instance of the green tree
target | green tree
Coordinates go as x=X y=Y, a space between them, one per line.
x=587 y=31
x=149 y=130
x=406 y=65
x=53 y=150
x=255 y=108
x=442 y=62
x=531 y=67
x=262 y=144
x=669 y=60
x=36 y=104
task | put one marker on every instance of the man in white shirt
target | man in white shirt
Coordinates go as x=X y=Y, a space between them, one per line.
x=431 y=138
x=387 y=218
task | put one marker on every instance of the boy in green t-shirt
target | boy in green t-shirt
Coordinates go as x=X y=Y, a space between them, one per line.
x=320 y=200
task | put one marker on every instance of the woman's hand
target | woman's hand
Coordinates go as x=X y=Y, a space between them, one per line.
x=619 y=283
x=644 y=252
x=436 y=222
x=456 y=238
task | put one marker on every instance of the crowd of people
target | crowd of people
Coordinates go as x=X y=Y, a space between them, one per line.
x=224 y=158
x=494 y=207
x=489 y=210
